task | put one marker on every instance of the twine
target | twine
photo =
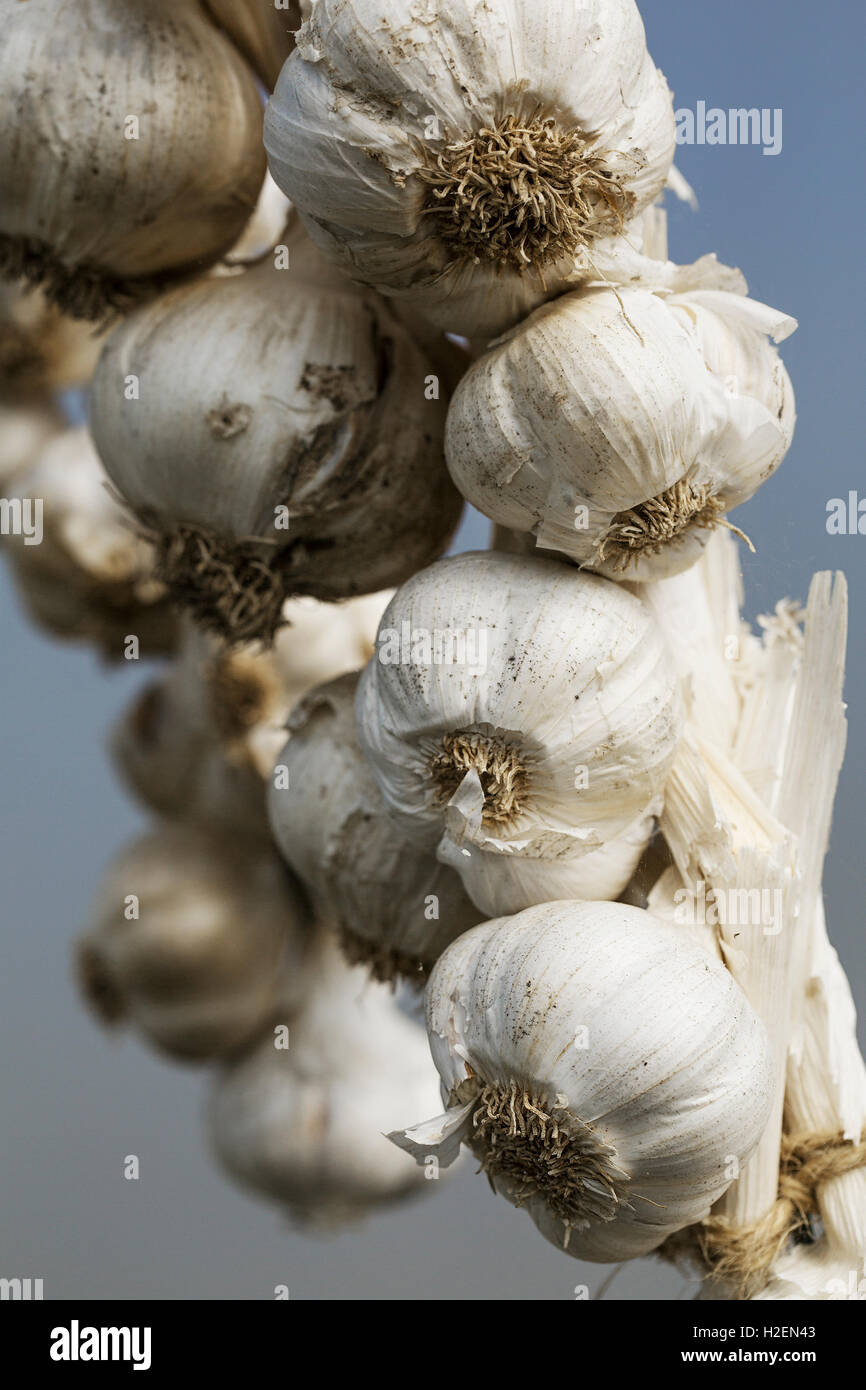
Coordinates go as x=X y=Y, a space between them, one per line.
x=742 y=1257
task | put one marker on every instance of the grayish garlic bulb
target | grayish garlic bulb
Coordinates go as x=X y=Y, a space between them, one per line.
x=394 y=907
x=198 y=744
x=305 y=1124
x=518 y=708
x=471 y=156
x=620 y=427
x=132 y=147
x=197 y=940
x=90 y=576
x=282 y=436
x=610 y=1076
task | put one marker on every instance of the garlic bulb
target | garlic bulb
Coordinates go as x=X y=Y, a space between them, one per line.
x=197 y=940
x=619 y=427
x=133 y=147
x=89 y=576
x=306 y=1124
x=41 y=349
x=262 y=30
x=609 y=1075
x=198 y=744
x=518 y=706
x=394 y=907
x=476 y=157
x=283 y=437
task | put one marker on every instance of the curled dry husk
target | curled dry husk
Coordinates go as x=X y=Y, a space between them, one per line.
x=99 y=211
x=393 y=905
x=214 y=947
x=41 y=350
x=91 y=577
x=476 y=157
x=607 y=1073
x=198 y=744
x=766 y=719
x=518 y=711
x=619 y=427
x=262 y=30
x=281 y=441
x=305 y=1124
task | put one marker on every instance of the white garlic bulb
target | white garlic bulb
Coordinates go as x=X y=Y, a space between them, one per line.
x=261 y=29
x=394 y=907
x=136 y=153
x=198 y=744
x=284 y=436
x=305 y=1124
x=518 y=706
x=474 y=157
x=619 y=427
x=89 y=576
x=197 y=940
x=609 y=1075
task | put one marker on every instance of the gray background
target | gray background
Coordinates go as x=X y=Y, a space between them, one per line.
x=73 y=1103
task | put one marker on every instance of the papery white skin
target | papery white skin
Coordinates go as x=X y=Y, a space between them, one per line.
x=305 y=1124
x=216 y=947
x=575 y=679
x=331 y=825
x=280 y=388
x=502 y=883
x=91 y=576
x=348 y=127
x=174 y=198
x=603 y=400
x=189 y=752
x=674 y=1075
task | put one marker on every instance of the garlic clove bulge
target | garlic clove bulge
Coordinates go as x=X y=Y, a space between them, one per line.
x=282 y=436
x=261 y=30
x=608 y=1074
x=305 y=1124
x=197 y=940
x=132 y=147
x=393 y=906
x=380 y=115
x=619 y=430
x=501 y=884
x=517 y=706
